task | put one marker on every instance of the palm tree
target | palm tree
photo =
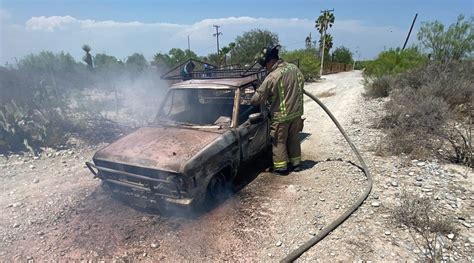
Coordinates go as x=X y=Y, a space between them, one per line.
x=226 y=50
x=327 y=42
x=87 y=57
x=308 y=41
x=324 y=21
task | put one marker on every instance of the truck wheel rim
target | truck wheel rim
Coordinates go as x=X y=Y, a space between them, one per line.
x=217 y=186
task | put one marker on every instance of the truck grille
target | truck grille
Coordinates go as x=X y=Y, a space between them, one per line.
x=144 y=180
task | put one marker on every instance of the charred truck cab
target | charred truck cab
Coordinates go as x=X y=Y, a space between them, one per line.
x=205 y=128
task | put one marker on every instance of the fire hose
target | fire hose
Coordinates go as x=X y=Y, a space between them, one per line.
x=329 y=228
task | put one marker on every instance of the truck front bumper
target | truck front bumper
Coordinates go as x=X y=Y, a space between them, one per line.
x=152 y=186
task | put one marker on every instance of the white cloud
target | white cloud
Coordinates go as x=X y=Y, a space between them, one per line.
x=53 y=23
x=50 y=23
x=67 y=33
x=4 y=15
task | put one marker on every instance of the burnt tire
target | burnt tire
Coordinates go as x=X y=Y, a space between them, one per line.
x=217 y=191
x=217 y=188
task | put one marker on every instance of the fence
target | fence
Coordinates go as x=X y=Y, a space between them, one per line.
x=335 y=67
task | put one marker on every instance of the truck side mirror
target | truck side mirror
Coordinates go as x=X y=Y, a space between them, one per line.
x=255 y=118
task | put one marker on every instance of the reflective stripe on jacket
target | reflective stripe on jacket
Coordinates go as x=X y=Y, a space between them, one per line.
x=284 y=87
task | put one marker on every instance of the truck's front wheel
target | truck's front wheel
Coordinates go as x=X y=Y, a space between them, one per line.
x=217 y=189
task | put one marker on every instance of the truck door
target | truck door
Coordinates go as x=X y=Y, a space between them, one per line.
x=254 y=136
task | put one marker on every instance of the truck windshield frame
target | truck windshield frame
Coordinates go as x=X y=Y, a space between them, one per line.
x=198 y=107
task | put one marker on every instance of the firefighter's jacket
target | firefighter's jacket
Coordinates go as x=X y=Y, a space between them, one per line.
x=283 y=87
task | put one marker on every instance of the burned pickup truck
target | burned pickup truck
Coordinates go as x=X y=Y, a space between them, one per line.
x=204 y=130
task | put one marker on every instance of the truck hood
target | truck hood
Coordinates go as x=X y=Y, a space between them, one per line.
x=162 y=148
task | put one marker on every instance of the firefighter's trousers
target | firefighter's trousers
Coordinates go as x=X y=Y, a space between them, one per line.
x=286 y=145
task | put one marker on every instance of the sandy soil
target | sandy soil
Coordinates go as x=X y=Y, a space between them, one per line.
x=52 y=209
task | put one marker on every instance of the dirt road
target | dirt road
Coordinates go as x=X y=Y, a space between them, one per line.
x=51 y=208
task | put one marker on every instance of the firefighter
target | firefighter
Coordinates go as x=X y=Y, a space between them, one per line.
x=283 y=89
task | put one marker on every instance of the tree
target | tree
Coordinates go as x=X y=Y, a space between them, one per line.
x=106 y=61
x=47 y=62
x=225 y=51
x=308 y=41
x=455 y=43
x=342 y=55
x=87 y=57
x=250 y=43
x=214 y=58
x=308 y=62
x=161 y=60
x=174 y=57
x=136 y=63
x=56 y=72
x=324 y=21
x=224 y=55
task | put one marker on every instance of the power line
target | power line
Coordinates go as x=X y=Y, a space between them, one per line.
x=217 y=34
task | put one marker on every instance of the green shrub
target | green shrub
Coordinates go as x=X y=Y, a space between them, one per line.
x=342 y=55
x=394 y=61
x=360 y=65
x=308 y=61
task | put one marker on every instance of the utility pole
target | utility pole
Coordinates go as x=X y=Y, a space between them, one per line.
x=322 y=53
x=354 y=59
x=409 y=32
x=189 y=45
x=217 y=34
x=323 y=35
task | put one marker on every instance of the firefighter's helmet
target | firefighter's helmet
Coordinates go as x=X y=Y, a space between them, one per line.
x=267 y=54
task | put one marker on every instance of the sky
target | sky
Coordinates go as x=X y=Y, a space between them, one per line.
x=121 y=28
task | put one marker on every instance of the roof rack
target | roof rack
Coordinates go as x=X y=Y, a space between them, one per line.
x=195 y=69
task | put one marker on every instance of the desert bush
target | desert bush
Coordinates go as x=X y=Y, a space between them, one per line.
x=308 y=61
x=379 y=87
x=27 y=128
x=420 y=216
x=414 y=120
x=44 y=100
x=33 y=100
x=430 y=109
x=451 y=81
x=394 y=61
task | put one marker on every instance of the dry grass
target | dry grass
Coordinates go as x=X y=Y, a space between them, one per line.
x=379 y=87
x=431 y=109
x=425 y=224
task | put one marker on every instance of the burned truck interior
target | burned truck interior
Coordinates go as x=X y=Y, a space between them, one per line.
x=198 y=106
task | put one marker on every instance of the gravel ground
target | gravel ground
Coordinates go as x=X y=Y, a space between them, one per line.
x=51 y=209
